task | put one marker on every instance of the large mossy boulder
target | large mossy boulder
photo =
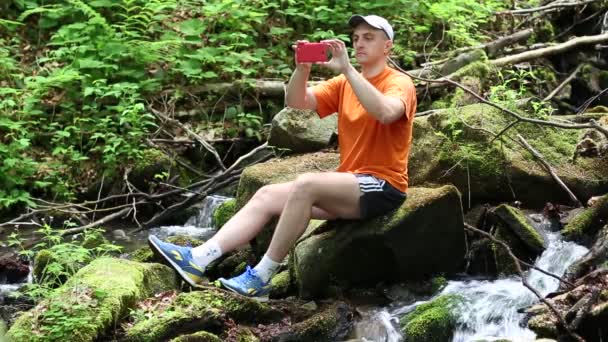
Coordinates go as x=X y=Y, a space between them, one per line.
x=584 y=226
x=424 y=237
x=190 y=312
x=516 y=231
x=454 y=146
x=302 y=130
x=92 y=301
x=432 y=321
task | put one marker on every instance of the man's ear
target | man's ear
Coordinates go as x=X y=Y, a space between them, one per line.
x=388 y=44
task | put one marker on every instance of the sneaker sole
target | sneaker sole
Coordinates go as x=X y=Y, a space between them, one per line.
x=176 y=267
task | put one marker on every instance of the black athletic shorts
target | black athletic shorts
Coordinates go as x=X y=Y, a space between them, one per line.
x=377 y=196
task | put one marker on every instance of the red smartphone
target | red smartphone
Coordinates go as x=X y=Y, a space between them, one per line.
x=311 y=52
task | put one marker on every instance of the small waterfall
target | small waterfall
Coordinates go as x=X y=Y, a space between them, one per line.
x=489 y=311
x=199 y=226
x=204 y=218
x=490 y=308
x=377 y=326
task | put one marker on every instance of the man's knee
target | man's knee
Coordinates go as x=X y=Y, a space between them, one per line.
x=264 y=194
x=304 y=185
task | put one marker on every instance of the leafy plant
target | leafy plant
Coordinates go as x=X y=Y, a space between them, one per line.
x=58 y=259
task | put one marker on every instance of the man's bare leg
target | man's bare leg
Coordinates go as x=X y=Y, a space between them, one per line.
x=334 y=192
x=247 y=223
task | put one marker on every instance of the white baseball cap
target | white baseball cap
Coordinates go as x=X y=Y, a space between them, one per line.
x=373 y=21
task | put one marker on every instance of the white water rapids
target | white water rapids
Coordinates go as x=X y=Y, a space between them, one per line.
x=489 y=311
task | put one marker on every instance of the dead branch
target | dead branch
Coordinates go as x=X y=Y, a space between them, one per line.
x=552 y=50
x=554 y=6
x=163 y=118
x=549 y=169
x=97 y=223
x=563 y=84
x=581 y=310
x=587 y=103
x=518 y=263
x=493 y=47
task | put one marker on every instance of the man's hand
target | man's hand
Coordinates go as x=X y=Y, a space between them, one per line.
x=339 y=56
x=301 y=66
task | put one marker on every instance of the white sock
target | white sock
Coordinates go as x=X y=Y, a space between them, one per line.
x=266 y=268
x=204 y=254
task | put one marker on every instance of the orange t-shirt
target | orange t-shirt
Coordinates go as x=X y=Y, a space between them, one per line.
x=366 y=145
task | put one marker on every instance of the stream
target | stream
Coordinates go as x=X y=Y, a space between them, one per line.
x=489 y=311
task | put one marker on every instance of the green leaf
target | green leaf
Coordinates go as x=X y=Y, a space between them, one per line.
x=192 y=27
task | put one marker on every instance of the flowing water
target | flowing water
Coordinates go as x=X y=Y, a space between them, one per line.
x=489 y=311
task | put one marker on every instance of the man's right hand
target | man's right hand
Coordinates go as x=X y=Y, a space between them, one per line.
x=301 y=66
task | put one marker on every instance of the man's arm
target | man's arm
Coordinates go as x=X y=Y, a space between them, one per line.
x=385 y=109
x=297 y=95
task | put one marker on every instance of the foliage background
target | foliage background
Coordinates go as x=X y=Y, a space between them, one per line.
x=77 y=77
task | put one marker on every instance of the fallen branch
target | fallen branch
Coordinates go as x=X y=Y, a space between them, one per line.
x=555 y=312
x=549 y=169
x=97 y=223
x=552 y=50
x=563 y=84
x=554 y=6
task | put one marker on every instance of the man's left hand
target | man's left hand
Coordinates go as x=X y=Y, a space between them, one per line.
x=339 y=56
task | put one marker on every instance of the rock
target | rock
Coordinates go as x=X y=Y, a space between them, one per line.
x=592 y=326
x=190 y=312
x=516 y=222
x=330 y=324
x=411 y=243
x=13 y=270
x=92 y=301
x=597 y=255
x=480 y=258
x=120 y=235
x=432 y=321
x=201 y=336
x=280 y=285
x=583 y=227
x=302 y=130
x=448 y=151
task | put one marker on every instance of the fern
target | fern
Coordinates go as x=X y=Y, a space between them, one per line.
x=94 y=16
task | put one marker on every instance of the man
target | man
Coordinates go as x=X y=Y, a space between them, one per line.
x=375 y=114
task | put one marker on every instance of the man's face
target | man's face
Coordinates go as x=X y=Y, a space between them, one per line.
x=370 y=44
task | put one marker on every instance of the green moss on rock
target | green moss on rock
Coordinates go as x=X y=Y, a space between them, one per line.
x=330 y=324
x=224 y=212
x=92 y=301
x=143 y=254
x=433 y=321
x=280 y=285
x=201 y=336
x=199 y=310
x=516 y=221
x=587 y=223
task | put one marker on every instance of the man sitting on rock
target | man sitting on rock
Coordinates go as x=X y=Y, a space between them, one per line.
x=375 y=115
